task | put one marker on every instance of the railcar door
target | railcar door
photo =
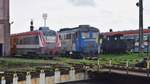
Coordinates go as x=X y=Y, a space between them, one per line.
x=1 y=50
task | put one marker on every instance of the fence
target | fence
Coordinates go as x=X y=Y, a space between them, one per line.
x=43 y=78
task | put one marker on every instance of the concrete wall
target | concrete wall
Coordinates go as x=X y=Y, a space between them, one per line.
x=5 y=27
x=1 y=33
x=54 y=79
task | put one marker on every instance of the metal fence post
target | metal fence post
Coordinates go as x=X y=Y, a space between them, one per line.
x=98 y=63
x=127 y=65
x=15 y=79
x=110 y=65
x=42 y=77
x=3 y=81
x=28 y=78
x=148 y=66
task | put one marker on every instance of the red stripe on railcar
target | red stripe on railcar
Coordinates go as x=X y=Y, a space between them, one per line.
x=126 y=32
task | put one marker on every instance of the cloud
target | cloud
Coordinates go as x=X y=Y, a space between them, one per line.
x=82 y=2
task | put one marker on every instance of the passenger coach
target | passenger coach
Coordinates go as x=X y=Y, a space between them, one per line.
x=80 y=41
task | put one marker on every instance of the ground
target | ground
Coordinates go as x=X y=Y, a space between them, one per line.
x=15 y=64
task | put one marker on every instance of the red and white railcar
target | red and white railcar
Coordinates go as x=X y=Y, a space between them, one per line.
x=39 y=42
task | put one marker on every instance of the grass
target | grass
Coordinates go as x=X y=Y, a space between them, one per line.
x=32 y=64
x=121 y=59
x=7 y=64
x=117 y=59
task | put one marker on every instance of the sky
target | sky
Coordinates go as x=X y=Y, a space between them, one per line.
x=118 y=15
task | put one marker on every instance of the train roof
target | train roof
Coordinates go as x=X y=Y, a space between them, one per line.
x=41 y=29
x=83 y=28
x=128 y=32
x=26 y=33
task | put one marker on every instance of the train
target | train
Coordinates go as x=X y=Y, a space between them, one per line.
x=42 y=42
x=79 y=42
x=131 y=39
x=114 y=44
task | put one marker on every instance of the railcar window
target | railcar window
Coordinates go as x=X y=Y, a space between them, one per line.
x=73 y=37
x=28 y=40
x=85 y=35
x=68 y=36
x=108 y=38
x=121 y=38
x=136 y=38
x=145 y=38
x=95 y=35
x=49 y=33
x=50 y=38
x=19 y=41
x=63 y=36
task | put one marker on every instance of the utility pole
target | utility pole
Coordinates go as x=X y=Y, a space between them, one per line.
x=141 y=46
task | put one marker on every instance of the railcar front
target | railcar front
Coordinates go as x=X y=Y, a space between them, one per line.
x=52 y=40
x=80 y=42
x=88 y=42
x=42 y=42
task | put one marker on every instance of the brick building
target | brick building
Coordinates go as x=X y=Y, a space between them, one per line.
x=4 y=28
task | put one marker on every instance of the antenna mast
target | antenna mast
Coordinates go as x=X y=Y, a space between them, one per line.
x=45 y=18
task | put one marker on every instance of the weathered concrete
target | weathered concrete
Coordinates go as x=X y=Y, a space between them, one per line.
x=4 y=27
x=3 y=81
x=28 y=78
x=42 y=78
x=57 y=76
x=75 y=75
x=15 y=79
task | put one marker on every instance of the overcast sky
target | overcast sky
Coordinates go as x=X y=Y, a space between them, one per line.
x=103 y=14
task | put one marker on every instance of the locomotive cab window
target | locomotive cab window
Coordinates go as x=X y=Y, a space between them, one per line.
x=85 y=35
x=95 y=35
x=50 y=36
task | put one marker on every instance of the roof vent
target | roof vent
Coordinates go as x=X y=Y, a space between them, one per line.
x=84 y=26
x=44 y=28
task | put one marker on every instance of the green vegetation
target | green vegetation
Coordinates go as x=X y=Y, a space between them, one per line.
x=121 y=59
x=32 y=64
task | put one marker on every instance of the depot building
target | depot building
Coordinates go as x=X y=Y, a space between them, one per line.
x=4 y=28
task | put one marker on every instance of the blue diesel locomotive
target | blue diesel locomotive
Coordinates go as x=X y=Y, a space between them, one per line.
x=79 y=42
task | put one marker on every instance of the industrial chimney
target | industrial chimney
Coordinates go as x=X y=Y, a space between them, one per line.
x=31 y=26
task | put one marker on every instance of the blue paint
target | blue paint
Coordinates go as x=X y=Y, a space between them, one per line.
x=82 y=45
x=86 y=45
